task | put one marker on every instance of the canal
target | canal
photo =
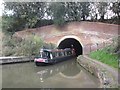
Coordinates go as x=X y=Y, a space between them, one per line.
x=67 y=74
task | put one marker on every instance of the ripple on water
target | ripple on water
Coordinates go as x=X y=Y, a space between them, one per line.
x=67 y=74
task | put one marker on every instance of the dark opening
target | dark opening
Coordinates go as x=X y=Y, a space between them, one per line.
x=70 y=41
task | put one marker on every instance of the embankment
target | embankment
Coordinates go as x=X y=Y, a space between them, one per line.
x=108 y=76
x=10 y=60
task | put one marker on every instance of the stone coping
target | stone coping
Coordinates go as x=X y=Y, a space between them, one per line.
x=12 y=57
x=19 y=59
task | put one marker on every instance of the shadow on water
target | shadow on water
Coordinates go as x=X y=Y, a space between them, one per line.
x=66 y=68
x=67 y=74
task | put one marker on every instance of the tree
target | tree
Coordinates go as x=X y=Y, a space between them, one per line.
x=57 y=12
x=77 y=10
x=116 y=8
x=85 y=10
x=93 y=11
x=27 y=12
x=102 y=9
x=73 y=11
x=7 y=23
x=33 y=14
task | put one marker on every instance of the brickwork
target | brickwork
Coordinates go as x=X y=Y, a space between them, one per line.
x=89 y=33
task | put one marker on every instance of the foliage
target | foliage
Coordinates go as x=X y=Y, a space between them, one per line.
x=31 y=14
x=10 y=24
x=85 y=10
x=7 y=23
x=117 y=48
x=72 y=13
x=30 y=46
x=25 y=14
x=56 y=9
x=26 y=47
x=49 y=46
x=93 y=11
x=108 y=55
x=102 y=9
x=43 y=22
x=8 y=44
x=116 y=8
x=8 y=51
x=28 y=14
x=77 y=11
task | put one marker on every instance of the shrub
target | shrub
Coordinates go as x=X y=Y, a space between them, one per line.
x=8 y=51
x=29 y=46
x=49 y=46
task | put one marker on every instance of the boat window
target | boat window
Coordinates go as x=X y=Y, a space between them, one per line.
x=69 y=52
x=48 y=54
x=64 y=53
x=53 y=54
x=44 y=54
x=60 y=53
x=56 y=54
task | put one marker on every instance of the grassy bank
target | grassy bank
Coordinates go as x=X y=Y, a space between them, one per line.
x=106 y=56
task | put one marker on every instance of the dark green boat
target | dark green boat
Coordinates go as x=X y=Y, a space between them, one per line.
x=51 y=56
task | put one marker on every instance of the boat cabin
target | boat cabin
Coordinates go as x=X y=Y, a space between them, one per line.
x=50 y=54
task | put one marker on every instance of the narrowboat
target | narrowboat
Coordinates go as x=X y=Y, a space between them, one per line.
x=51 y=56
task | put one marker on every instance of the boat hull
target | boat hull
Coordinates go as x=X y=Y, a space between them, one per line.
x=53 y=61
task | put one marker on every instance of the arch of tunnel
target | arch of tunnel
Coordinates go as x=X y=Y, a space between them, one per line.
x=78 y=34
x=66 y=42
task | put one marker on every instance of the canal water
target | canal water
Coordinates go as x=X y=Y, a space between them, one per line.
x=67 y=74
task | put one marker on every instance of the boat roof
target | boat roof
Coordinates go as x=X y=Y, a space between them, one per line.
x=55 y=50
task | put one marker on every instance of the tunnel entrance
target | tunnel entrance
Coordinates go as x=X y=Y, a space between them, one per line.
x=66 y=43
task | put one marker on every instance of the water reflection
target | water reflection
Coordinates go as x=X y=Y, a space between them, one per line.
x=67 y=74
x=67 y=68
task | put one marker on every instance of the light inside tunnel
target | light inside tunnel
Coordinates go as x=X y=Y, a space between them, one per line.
x=66 y=43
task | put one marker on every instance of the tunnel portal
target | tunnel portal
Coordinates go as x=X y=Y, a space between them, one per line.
x=66 y=43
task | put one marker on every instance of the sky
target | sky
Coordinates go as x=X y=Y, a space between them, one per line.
x=1 y=7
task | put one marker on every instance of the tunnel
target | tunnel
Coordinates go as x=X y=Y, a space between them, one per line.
x=66 y=43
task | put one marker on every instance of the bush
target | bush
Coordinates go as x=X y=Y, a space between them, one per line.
x=8 y=51
x=30 y=46
x=24 y=47
x=13 y=47
x=49 y=46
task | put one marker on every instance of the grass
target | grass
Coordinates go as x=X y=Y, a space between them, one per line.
x=105 y=57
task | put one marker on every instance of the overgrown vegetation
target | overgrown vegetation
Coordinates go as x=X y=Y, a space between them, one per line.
x=108 y=55
x=13 y=46
x=36 y=14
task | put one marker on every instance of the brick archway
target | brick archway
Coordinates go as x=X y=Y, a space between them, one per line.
x=67 y=41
